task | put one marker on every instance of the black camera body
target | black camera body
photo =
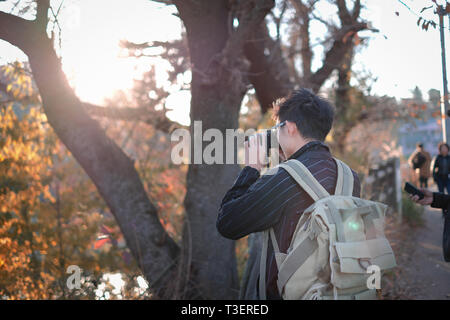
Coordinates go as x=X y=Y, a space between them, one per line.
x=270 y=138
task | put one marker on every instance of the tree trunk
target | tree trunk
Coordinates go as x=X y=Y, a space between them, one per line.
x=268 y=74
x=342 y=125
x=216 y=105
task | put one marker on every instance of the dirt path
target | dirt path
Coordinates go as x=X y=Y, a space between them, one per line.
x=425 y=270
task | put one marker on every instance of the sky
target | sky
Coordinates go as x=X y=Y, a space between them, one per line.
x=401 y=56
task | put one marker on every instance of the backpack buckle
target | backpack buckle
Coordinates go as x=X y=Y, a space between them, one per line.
x=367 y=260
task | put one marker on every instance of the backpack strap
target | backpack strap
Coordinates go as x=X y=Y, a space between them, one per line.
x=296 y=259
x=345 y=180
x=316 y=191
x=262 y=266
x=305 y=179
x=340 y=178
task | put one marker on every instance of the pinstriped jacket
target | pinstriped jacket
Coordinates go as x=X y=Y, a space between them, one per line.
x=256 y=203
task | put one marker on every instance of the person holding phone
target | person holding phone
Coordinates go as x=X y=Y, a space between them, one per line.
x=438 y=200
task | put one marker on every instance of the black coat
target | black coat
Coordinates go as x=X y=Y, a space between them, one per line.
x=439 y=170
x=256 y=203
x=441 y=200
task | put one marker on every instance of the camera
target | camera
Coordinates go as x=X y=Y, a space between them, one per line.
x=264 y=137
x=268 y=139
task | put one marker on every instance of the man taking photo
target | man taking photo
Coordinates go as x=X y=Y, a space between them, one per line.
x=256 y=203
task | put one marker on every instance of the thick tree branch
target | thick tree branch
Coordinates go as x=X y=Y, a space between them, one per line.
x=156 y=119
x=269 y=77
x=344 y=14
x=356 y=10
x=14 y=30
x=342 y=43
x=42 y=15
x=251 y=15
x=303 y=13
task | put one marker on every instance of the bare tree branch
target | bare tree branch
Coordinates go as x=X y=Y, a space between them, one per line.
x=356 y=10
x=278 y=19
x=325 y=22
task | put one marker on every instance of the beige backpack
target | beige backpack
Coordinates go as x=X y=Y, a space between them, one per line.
x=338 y=243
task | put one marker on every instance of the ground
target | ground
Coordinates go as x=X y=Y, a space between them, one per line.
x=422 y=272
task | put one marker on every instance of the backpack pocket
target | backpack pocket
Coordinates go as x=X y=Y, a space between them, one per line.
x=353 y=258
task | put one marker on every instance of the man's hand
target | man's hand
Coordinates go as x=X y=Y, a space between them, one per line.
x=427 y=199
x=255 y=152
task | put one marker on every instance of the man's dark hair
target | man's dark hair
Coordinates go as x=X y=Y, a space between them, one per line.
x=443 y=144
x=312 y=114
x=419 y=145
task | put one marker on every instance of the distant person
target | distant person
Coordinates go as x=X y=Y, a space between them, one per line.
x=441 y=168
x=420 y=161
x=439 y=200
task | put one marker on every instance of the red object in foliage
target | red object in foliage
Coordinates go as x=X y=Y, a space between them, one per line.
x=101 y=242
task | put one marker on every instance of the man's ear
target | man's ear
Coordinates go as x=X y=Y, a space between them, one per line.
x=291 y=127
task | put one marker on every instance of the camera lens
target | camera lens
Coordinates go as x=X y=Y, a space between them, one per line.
x=269 y=140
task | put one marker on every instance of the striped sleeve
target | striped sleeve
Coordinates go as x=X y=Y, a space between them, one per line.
x=245 y=179
x=259 y=207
